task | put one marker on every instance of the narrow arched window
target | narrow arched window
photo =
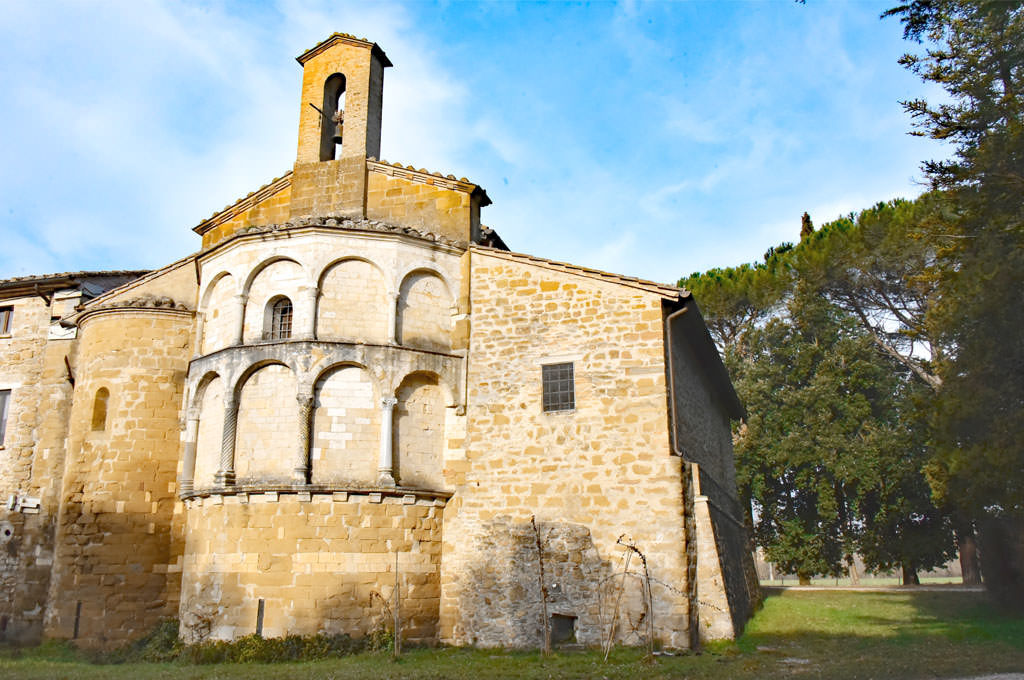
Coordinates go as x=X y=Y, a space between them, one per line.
x=332 y=117
x=279 y=319
x=99 y=409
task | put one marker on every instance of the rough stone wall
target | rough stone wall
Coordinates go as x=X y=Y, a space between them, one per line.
x=605 y=468
x=336 y=188
x=419 y=434
x=315 y=560
x=424 y=312
x=353 y=303
x=118 y=551
x=346 y=428
x=32 y=457
x=418 y=204
x=268 y=426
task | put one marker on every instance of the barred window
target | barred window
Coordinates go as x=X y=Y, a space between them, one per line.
x=280 y=321
x=6 y=313
x=559 y=387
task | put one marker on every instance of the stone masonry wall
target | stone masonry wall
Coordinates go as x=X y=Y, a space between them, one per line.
x=32 y=456
x=274 y=209
x=418 y=204
x=268 y=426
x=278 y=278
x=346 y=428
x=353 y=303
x=210 y=433
x=590 y=475
x=316 y=561
x=424 y=312
x=118 y=550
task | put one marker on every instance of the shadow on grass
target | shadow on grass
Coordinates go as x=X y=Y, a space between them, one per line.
x=833 y=634
x=894 y=633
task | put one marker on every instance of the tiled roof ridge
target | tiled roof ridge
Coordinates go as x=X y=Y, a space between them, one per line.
x=75 y=275
x=231 y=209
x=673 y=292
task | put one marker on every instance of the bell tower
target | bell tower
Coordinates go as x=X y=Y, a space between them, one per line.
x=339 y=125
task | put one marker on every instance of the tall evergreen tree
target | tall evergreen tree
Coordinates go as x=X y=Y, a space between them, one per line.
x=975 y=51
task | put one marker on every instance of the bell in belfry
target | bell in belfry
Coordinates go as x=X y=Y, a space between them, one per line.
x=339 y=125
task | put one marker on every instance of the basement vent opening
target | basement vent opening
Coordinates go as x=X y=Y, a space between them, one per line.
x=563 y=629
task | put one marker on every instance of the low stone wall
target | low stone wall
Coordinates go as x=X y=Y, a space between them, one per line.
x=321 y=562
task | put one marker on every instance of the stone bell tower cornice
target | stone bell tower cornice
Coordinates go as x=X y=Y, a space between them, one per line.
x=343 y=38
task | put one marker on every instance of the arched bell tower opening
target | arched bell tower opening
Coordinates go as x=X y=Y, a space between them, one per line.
x=333 y=117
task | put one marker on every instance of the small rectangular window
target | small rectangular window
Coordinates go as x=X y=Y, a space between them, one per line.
x=5 y=399
x=6 y=314
x=559 y=387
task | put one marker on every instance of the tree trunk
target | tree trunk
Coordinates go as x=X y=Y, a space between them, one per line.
x=910 y=574
x=967 y=544
x=1002 y=543
x=804 y=580
x=854 y=576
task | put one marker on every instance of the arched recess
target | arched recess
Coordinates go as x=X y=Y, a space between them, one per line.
x=210 y=400
x=220 y=316
x=419 y=431
x=424 y=311
x=345 y=437
x=277 y=318
x=279 y=277
x=267 y=432
x=353 y=302
x=330 y=129
x=99 y=409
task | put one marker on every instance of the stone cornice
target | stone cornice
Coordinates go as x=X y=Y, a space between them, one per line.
x=144 y=303
x=339 y=493
x=346 y=224
x=348 y=40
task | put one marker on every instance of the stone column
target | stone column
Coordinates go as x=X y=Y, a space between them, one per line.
x=306 y=308
x=188 y=463
x=226 y=473
x=302 y=459
x=386 y=467
x=197 y=351
x=393 y=318
x=239 y=306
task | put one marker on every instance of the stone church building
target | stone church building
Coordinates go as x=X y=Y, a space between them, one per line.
x=354 y=377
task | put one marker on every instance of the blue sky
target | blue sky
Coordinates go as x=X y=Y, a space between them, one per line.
x=651 y=140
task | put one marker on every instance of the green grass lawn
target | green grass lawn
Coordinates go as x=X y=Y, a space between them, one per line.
x=803 y=634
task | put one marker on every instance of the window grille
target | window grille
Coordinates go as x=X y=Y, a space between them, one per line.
x=559 y=387
x=281 y=320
